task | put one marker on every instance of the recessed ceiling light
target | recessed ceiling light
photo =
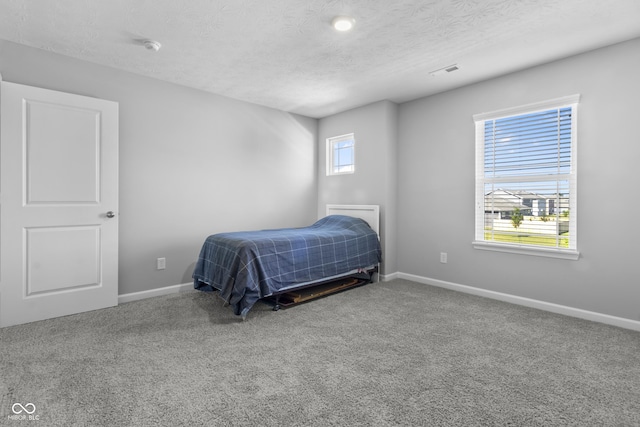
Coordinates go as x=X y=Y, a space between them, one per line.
x=343 y=23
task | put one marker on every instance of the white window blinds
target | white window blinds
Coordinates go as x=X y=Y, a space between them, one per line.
x=526 y=177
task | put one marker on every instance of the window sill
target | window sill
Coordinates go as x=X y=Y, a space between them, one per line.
x=569 y=254
x=340 y=173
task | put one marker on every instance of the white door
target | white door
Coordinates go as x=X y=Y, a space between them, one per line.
x=58 y=204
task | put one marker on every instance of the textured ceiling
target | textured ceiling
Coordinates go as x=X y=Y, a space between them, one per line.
x=284 y=53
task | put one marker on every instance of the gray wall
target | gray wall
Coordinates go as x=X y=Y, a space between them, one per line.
x=436 y=185
x=191 y=163
x=375 y=179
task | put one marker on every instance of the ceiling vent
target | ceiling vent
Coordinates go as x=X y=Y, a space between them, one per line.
x=445 y=70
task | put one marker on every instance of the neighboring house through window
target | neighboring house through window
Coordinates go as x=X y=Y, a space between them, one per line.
x=526 y=179
x=341 y=154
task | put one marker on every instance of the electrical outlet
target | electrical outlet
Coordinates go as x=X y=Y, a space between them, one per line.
x=161 y=263
x=443 y=257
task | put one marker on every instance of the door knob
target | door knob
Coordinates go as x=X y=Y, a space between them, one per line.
x=110 y=214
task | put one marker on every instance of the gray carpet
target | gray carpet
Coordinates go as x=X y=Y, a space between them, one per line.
x=391 y=353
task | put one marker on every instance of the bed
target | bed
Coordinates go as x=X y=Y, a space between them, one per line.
x=248 y=266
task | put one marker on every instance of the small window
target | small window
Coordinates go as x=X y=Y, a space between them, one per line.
x=340 y=154
x=526 y=179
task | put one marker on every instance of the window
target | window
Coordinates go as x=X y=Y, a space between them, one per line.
x=526 y=179
x=340 y=154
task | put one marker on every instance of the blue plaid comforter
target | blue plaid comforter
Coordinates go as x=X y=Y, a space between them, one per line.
x=247 y=266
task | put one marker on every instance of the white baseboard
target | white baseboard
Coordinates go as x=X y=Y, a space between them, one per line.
x=167 y=290
x=388 y=277
x=187 y=287
x=527 y=302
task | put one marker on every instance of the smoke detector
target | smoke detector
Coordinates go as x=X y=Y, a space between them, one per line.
x=152 y=45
